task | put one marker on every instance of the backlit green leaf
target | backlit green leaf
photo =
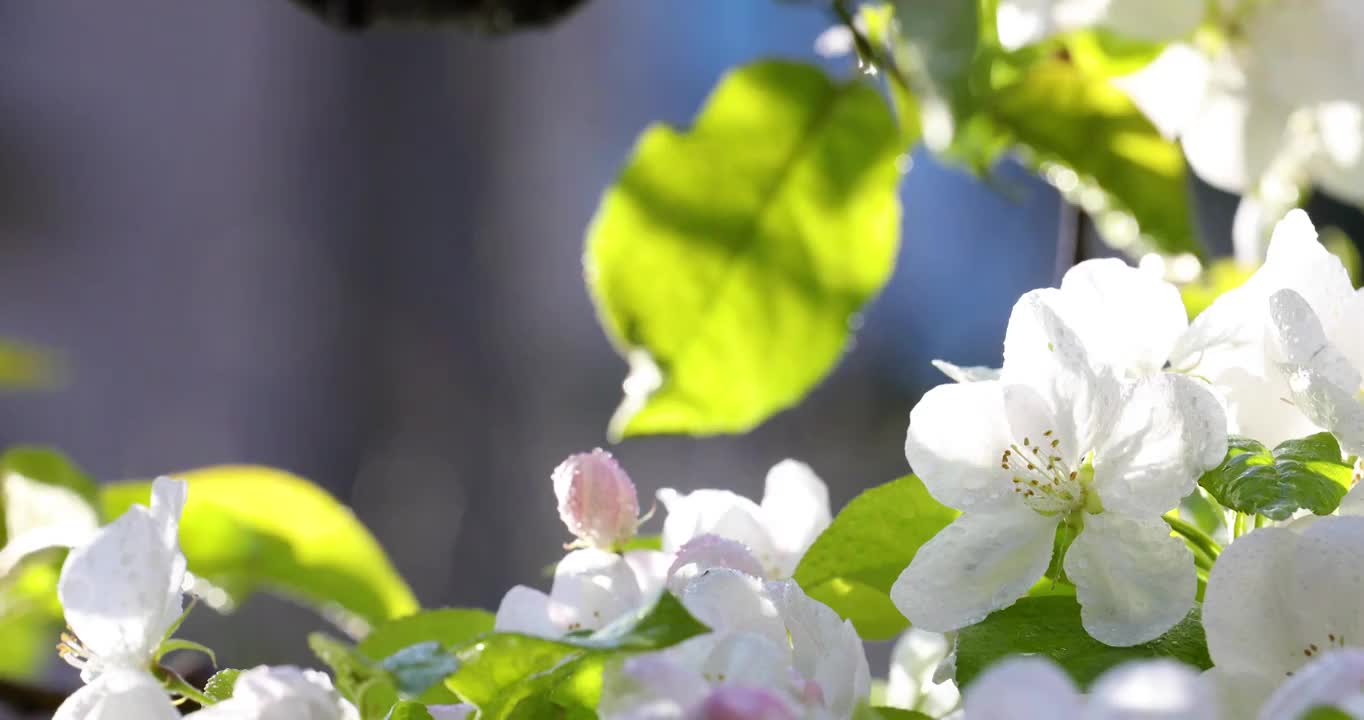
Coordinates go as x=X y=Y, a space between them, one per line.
x=248 y=528
x=728 y=260
x=1050 y=627
x=852 y=564
x=1305 y=474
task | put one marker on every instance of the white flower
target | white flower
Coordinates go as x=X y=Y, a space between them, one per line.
x=1322 y=357
x=1228 y=342
x=794 y=511
x=1130 y=318
x=767 y=638
x=281 y=693
x=119 y=694
x=122 y=593
x=1059 y=439
x=914 y=664
x=1279 y=597
x=1024 y=22
x=1335 y=679
x=38 y=516
x=597 y=500
x=1036 y=689
x=591 y=588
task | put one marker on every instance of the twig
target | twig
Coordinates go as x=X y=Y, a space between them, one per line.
x=1070 y=238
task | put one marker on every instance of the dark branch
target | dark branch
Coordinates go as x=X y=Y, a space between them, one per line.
x=494 y=16
x=27 y=698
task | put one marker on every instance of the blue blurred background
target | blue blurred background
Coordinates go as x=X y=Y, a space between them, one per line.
x=358 y=258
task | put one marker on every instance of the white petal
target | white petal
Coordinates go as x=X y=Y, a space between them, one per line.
x=525 y=610
x=1237 y=132
x=956 y=436
x=1240 y=695
x=1152 y=690
x=749 y=659
x=650 y=687
x=1332 y=680
x=707 y=552
x=591 y=589
x=281 y=693
x=651 y=570
x=38 y=516
x=122 y=592
x=1353 y=502
x=37 y=540
x=730 y=601
x=1044 y=353
x=825 y=648
x=913 y=664
x=1171 y=429
x=1298 y=261
x=1339 y=166
x=1023 y=689
x=1247 y=611
x=795 y=510
x=1169 y=89
x=1325 y=384
x=462 y=711
x=119 y=695
x=1131 y=319
x=1314 y=580
x=982 y=562
x=1133 y=580
x=717 y=512
x=966 y=373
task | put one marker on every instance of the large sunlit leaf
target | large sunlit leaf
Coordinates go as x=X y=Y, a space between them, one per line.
x=852 y=564
x=1050 y=627
x=728 y=260
x=30 y=619
x=1090 y=140
x=248 y=528
x=509 y=675
x=1305 y=474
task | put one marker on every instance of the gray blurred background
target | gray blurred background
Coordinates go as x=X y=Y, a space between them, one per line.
x=357 y=258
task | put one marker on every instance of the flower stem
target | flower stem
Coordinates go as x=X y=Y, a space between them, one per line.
x=1199 y=540
x=172 y=681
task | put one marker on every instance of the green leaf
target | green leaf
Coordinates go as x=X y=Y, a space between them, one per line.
x=30 y=619
x=512 y=675
x=407 y=710
x=938 y=52
x=350 y=668
x=448 y=626
x=249 y=527
x=1220 y=276
x=170 y=645
x=852 y=564
x=871 y=712
x=1325 y=712
x=1090 y=140
x=728 y=262
x=219 y=687
x=1299 y=474
x=1050 y=627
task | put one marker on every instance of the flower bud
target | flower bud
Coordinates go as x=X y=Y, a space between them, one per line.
x=735 y=702
x=597 y=501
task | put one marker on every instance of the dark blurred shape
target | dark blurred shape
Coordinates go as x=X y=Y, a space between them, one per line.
x=494 y=16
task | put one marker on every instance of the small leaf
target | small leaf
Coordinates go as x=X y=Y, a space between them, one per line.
x=448 y=626
x=350 y=668
x=1050 y=626
x=408 y=710
x=1299 y=474
x=419 y=668
x=852 y=564
x=248 y=527
x=30 y=617
x=219 y=687
x=728 y=261
x=509 y=675
x=172 y=644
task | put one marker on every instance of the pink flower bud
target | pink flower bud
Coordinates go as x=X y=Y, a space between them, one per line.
x=741 y=703
x=597 y=501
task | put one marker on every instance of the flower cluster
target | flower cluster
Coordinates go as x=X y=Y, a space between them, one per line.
x=1072 y=466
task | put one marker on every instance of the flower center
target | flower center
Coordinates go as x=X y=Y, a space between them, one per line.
x=73 y=651
x=1043 y=479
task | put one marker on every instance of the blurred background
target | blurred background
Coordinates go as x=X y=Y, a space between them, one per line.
x=358 y=258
